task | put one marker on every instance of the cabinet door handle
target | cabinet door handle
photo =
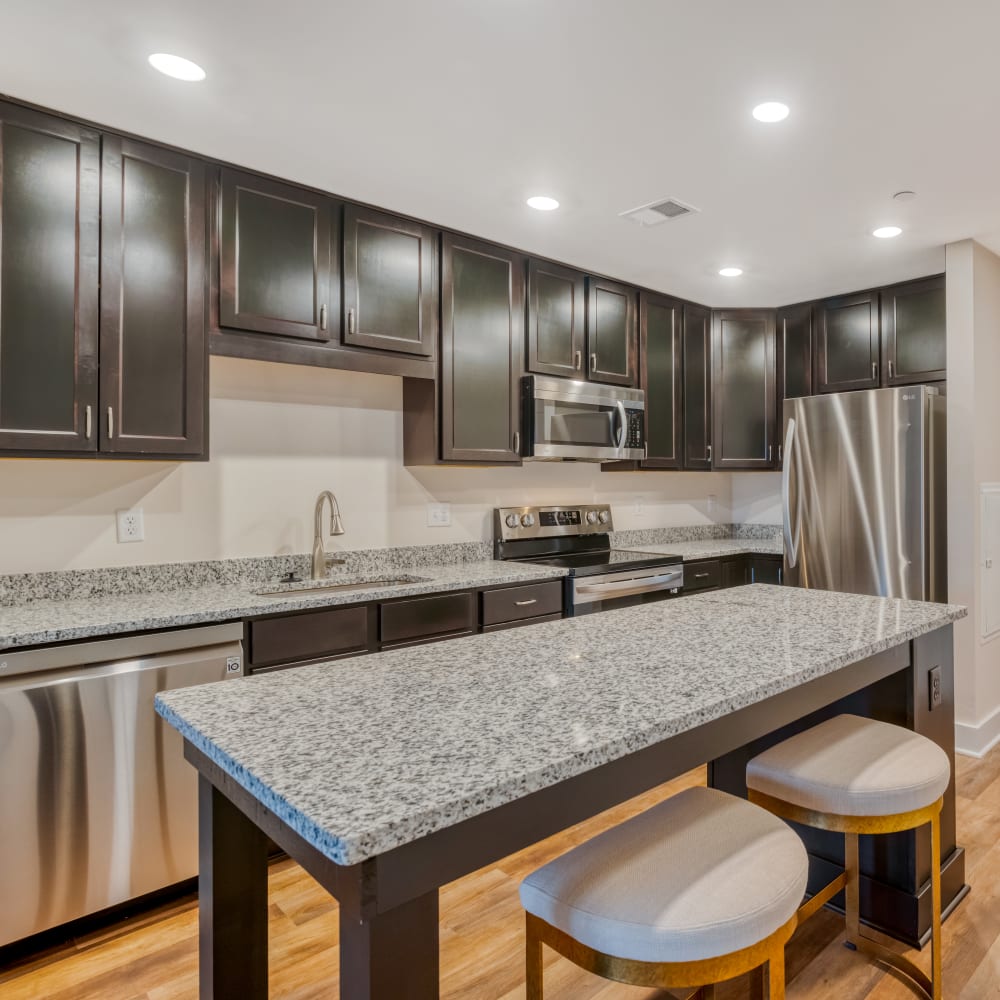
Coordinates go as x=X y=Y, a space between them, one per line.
x=322 y=316
x=350 y=320
x=517 y=442
x=524 y=604
x=779 y=452
x=708 y=452
x=890 y=370
x=578 y=360
x=875 y=371
x=111 y=422
x=593 y=362
x=700 y=576
x=770 y=452
x=89 y=420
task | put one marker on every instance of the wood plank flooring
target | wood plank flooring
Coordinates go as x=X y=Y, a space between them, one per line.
x=156 y=957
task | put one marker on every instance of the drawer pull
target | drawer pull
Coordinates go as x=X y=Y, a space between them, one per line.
x=524 y=604
x=700 y=576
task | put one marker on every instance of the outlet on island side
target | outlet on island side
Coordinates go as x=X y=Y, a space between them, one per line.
x=130 y=525
x=934 y=685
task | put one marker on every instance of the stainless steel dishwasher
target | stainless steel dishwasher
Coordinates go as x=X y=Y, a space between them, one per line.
x=97 y=804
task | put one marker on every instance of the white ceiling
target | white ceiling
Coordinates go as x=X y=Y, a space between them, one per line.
x=456 y=110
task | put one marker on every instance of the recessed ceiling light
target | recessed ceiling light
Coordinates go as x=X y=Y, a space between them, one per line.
x=543 y=203
x=730 y=272
x=177 y=67
x=886 y=232
x=771 y=111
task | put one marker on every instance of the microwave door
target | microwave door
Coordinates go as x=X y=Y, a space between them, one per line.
x=572 y=429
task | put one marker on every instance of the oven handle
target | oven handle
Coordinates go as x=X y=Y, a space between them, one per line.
x=626 y=588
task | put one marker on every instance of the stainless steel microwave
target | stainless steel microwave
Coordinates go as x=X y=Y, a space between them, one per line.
x=565 y=419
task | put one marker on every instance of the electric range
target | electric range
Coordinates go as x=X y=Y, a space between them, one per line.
x=578 y=539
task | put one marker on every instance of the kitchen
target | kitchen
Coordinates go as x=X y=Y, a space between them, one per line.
x=324 y=322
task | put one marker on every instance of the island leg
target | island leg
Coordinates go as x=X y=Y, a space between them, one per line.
x=232 y=900
x=391 y=955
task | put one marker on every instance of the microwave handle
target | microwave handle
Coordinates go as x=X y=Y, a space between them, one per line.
x=622 y=421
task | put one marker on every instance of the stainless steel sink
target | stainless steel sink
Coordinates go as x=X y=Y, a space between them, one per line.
x=322 y=587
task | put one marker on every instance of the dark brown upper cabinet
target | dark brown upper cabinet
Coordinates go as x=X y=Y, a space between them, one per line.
x=153 y=348
x=482 y=333
x=847 y=342
x=274 y=258
x=610 y=332
x=744 y=384
x=49 y=258
x=390 y=275
x=794 y=361
x=697 y=395
x=660 y=372
x=913 y=332
x=556 y=320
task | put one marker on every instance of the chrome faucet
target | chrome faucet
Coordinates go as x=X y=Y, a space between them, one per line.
x=322 y=561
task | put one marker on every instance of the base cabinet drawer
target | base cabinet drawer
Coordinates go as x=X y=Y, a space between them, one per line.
x=513 y=604
x=310 y=635
x=503 y=626
x=418 y=619
x=702 y=575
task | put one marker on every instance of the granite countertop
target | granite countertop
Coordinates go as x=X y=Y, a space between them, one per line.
x=42 y=622
x=491 y=718
x=714 y=548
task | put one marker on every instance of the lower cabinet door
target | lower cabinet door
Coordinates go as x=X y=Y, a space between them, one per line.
x=153 y=347
x=767 y=569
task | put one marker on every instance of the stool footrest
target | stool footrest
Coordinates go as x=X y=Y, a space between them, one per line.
x=819 y=899
x=896 y=963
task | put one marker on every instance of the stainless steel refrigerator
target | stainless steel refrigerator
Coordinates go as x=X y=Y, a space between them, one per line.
x=863 y=493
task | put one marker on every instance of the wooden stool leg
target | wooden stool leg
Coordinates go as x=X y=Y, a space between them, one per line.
x=936 y=905
x=852 y=892
x=776 y=977
x=533 y=960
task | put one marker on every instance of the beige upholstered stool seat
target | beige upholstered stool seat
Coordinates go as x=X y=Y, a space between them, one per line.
x=700 y=875
x=853 y=767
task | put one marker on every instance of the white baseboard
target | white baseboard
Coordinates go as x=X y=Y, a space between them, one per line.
x=978 y=741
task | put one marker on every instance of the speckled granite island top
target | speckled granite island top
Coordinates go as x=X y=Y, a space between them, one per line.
x=41 y=622
x=367 y=754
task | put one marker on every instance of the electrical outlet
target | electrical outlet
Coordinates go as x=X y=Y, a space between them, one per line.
x=438 y=515
x=712 y=502
x=130 y=525
x=639 y=507
x=934 y=682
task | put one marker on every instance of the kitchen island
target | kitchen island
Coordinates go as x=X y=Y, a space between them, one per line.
x=390 y=776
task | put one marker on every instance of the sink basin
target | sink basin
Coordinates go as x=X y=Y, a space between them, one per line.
x=323 y=587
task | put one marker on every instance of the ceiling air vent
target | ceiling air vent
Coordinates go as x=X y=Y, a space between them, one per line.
x=658 y=211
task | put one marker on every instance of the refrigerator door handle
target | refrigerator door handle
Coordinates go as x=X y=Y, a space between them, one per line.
x=791 y=537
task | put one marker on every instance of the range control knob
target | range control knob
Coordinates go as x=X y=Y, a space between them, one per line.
x=605 y=516
x=513 y=520
x=528 y=520
x=591 y=517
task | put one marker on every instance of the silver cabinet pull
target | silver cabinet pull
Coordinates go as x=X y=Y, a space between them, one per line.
x=517 y=442
x=111 y=422
x=890 y=369
x=779 y=452
x=770 y=452
x=578 y=360
x=524 y=604
x=322 y=316
x=708 y=452
x=593 y=362
x=350 y=320
x=700 y=576
x=875 y=371
x=89 y=420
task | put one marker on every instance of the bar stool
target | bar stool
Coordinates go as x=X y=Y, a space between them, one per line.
x=698 y=889
x=859 y=776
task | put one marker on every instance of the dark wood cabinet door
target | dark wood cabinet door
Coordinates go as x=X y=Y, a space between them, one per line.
x=767 y=569
x=482 y=330
x=913 y=332
x=390 y=277
x=556 y=321
x=660 y=373
x=274 y=258
x=743 y=360
x=847 y=343
x=697 y=394
x=794 y=363
x=735 y=571
x=153 y=349
x=610 y=332
x=49 y=247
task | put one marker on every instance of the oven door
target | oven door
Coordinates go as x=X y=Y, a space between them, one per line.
x=625 y=589
x=597 y=423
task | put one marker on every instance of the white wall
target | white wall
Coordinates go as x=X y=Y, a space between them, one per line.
x=973 y=276
x=280 y=434
x=756 y=497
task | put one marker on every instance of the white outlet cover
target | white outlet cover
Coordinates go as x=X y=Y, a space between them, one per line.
x=438 y=515
x=130 y=525
x=639 y=507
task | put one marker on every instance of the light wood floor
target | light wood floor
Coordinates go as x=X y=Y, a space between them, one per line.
x=156 y=957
